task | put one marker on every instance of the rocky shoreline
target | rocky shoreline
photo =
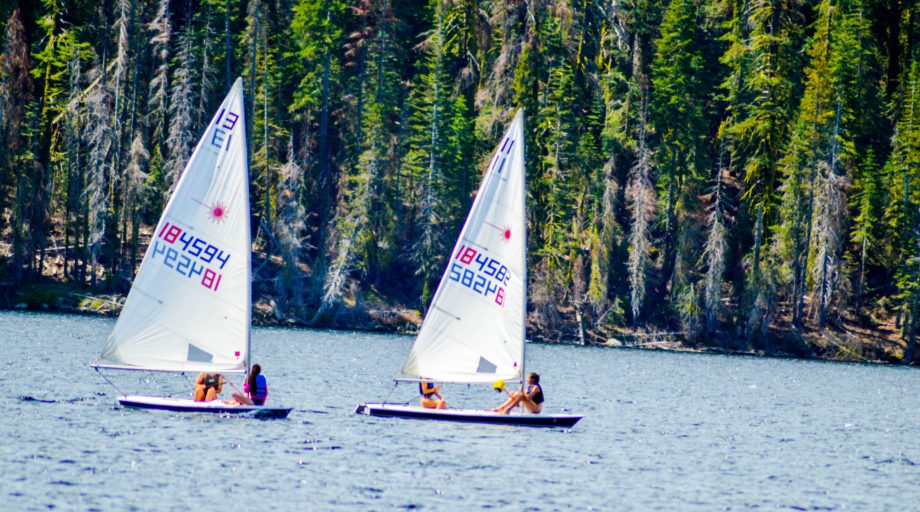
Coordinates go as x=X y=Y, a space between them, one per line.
x=848 y=343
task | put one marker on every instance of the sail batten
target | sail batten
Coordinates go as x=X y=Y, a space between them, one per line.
x=189 y=306
x=474 y=329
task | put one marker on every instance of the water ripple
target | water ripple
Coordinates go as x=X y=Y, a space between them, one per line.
x=678 y=432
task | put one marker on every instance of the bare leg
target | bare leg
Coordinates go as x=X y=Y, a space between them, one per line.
x=512 y=402
x=199 y=393
x=531 y=406
x=211 y=396
x=506 y=403
x=239 y=399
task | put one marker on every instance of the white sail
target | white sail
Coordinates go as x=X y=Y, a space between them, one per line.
x=190 y=305
x=474 y=329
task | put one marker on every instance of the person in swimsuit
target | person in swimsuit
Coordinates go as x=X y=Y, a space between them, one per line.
x=430 y=399
x=532 y=399
x=208 y=386
x=255 y=389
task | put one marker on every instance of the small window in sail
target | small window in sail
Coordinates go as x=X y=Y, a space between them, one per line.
x=197 y=355
x=486 y=366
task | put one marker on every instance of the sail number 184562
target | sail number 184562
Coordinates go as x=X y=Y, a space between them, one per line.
x=482 y=274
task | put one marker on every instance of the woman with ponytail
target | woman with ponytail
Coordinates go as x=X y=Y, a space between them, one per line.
x=255 y=389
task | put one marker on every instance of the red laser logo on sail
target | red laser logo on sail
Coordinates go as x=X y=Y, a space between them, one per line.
x=505 y=231
x=218 y=212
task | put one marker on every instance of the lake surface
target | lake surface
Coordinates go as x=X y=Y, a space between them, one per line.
x=662 y=431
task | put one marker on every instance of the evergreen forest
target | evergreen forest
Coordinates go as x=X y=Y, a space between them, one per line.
x=742 y=174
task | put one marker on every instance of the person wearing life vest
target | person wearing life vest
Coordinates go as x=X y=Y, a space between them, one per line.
x=532 y=399
x=430 y=399
x=208 y=386
x=255 y=389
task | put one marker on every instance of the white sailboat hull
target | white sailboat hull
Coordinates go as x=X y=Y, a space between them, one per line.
x=187 y=405
x=467 y=415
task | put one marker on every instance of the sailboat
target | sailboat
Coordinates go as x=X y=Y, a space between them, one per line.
x=190 y=306
x=474 y=330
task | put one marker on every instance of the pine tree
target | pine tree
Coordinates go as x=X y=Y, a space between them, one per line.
x=16 y=91
x=823 y=153
x=363 y=228
x=804 y=159
x=74 y=176
x=316 y=29
x=760 y=91
x=290 y=230
x=901 y=217
x=207 y=76
x=559 y=184
x=641 y=192
x=182 y=114
x=678 y=114
x=118 y=84
x=426 y=158
x=99 y=136
x=715 y=252
x=161 y=29
x=136 y=187
x=866 y=201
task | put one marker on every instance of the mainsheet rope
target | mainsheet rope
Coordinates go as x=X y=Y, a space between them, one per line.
x=122 y=393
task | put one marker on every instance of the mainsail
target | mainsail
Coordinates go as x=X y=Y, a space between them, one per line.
x=474 y=329
x=190 y=305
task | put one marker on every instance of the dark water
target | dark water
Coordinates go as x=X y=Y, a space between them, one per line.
x=662 y=431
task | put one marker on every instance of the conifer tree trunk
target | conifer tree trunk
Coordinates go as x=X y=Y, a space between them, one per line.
x=714 y=253
x=429 y=217
x=833 y=210
x=642 y=196
x=228 y=50
x=268 y=170
x=16 y=89
x=253 y=55
x=161 y=26
x=325 y=174
x=116 y=237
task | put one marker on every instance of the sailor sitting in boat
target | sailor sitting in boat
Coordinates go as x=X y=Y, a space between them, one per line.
x=255 y=389
x=429 y=391
x=532 y=399
x=208 y=386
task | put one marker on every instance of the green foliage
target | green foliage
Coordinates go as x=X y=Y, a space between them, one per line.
x=902 y=217
x=316 y=30
x=698 y=160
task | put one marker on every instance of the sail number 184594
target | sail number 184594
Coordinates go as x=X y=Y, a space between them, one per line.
x=184 y=253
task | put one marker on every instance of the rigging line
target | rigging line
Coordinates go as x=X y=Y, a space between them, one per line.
x=185 y=390
x=122 y=393
x=387 y=399
x=177 y=392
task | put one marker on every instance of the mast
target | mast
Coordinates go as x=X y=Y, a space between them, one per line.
x=247 y=363
x=524 y=277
